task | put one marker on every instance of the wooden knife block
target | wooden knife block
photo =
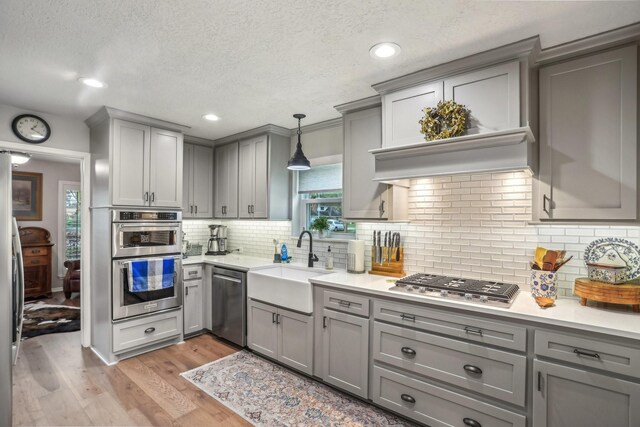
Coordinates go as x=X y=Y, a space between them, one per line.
x=391 y=268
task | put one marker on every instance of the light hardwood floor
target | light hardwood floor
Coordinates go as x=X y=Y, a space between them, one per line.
x=56 y=382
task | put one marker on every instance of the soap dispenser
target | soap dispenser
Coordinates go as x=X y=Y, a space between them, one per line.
x=328 y=264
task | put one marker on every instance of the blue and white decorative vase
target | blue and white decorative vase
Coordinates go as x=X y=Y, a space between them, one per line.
x=544 y=283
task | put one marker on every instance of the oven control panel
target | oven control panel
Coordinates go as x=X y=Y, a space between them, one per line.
x=144 y=216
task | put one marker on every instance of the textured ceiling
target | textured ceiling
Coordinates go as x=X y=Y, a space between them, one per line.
x=258 y=61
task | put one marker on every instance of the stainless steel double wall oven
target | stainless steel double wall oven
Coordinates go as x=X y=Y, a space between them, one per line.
x=138 y=235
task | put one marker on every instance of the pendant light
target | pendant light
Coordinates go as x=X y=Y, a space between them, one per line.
x=298 y=161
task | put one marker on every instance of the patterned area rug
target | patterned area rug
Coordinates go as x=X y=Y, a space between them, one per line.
x=41 y=318
x=266 y=394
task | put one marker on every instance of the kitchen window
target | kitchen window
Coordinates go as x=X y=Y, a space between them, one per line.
x=69 y=200
x=320 y=195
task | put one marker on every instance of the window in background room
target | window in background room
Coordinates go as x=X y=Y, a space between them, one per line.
x=320 y=194
x=69 y=200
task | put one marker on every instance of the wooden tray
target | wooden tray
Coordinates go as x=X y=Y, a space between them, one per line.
x=624 y=293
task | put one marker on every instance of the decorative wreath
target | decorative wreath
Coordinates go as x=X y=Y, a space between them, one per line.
x=447 y=120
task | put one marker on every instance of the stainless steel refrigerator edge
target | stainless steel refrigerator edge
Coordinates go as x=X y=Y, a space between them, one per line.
x=6 y=298
x=229 y=305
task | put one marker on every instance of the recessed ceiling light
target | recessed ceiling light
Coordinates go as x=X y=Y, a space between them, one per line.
x=92 y=82
x=384 y=50
x=211 y=117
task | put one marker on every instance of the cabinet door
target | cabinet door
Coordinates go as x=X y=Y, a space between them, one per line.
x=403 y=110
x=571 y=397
x=202 y=182
x=362 y=197
x=492 y=96
x=130 y=164
x=226 y=181
x=246 y=174
x=187 y=181
x=259 y=208
x=193 y=313
x=295 y=340
x=165 y=167
x=262 y=330
x=588 y=137
x=345 y=352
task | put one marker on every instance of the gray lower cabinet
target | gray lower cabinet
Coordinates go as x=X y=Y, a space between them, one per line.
x=193 y=307
x=436 y=406
x=197 y=185
x=345 y=352
x=281 y=334
x=588 y=138
x=564 y=396
x=146 y=330
x=226 y=181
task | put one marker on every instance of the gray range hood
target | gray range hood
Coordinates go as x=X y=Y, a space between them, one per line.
x=507 y=150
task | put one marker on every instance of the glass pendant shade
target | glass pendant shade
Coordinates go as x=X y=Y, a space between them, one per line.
x=298 y=161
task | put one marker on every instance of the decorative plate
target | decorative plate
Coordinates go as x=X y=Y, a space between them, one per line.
x=615 y=252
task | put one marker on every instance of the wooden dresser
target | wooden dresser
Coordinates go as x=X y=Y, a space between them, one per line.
x=36 y=252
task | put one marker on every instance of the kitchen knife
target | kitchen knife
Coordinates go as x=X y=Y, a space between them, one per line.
x=379 y=249
x=398 y=246
x=375 y=247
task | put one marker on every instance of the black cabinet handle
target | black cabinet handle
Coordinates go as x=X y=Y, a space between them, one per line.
x=473 y=331
x=191 y=209
x=153 y=196
x=408 y=350
x=146 y=196
x=407 y=398
x=273 y=318
x=471 y=422
x=473 y=369
x=196 y=209
x=409 y=317
x=324 y=322
x=149 y=330
x=539 y=381
x=586 y=353
x=186 y=290
x=277 y=319
x=544 y=204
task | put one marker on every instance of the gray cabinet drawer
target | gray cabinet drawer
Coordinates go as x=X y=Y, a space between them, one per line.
x=147 y=330
x=435 y=406
x=192 y=272
x=588 y=352
x=467 y=327
x=349 y=303
x=484 y=370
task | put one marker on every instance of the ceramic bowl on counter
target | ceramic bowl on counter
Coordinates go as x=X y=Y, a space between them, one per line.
x=614 y=274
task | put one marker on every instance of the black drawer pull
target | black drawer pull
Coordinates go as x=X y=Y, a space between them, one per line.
x=346 y=304
x=409 y=317
x=408 y=350
x=586 y=353
x=149 y=330
x=407 y=398
x=473 y=369
x=471 y=422
x=474 y=331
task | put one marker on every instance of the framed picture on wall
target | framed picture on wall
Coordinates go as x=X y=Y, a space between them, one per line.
x=27 y=196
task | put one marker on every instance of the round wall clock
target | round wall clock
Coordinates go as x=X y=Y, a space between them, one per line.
x=30 y=128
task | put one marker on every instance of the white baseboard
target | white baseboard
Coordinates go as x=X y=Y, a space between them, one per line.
x=59 y=289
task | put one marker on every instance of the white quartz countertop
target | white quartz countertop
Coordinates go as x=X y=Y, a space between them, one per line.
x=567 y=312
x=233 y=261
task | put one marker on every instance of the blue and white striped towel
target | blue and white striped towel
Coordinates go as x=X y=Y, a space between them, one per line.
x=151 y=274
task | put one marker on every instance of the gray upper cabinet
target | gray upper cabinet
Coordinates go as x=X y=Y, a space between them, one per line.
x=588 y=138
x=252 y=191
x=197 y=193
x=147 y=166
x=130 y=165
x=565 y=396
x=404 y=109
x=226 y=181
x=492 y=96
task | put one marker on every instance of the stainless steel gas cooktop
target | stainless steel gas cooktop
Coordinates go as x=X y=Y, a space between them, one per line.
x=477 y=291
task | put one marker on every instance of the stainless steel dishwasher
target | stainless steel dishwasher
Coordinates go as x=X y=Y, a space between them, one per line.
x=229 y=305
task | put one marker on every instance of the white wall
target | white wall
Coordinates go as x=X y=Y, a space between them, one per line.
x=52 y=172
x=66 y=133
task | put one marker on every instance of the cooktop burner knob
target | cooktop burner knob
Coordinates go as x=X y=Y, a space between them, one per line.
x=422 y=289
x=444 y=293
x=468 y=297
x=416 y=287
x=484 y=298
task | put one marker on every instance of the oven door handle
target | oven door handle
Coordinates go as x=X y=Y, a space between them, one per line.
x=122 y=262
x=145 y=226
